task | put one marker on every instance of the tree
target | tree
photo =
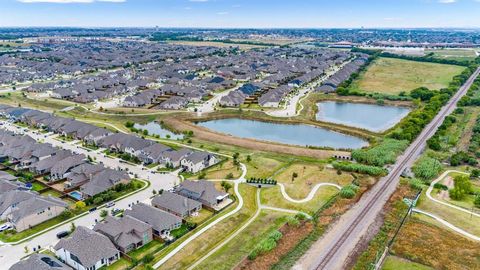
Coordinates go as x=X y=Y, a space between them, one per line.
x=475 y=173
x=103 y=213
x=249 y=158
x=462 y=186
x=154 y=192
x=477 y=201
x=226 y=186
x=80 y=205
x=294 y=175
x=72 y=227
x=229 y=176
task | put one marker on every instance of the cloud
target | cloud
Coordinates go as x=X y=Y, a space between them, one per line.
x=222 y=13
x=447 y=1
x=200 y=1
x=70 y=1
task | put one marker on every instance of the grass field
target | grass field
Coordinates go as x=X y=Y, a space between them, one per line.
x=221 y=170
x=234 y=251
x=431 y=245
x=455 y=54
x=396 y=263
x=273 y=197
x=458 y=218
x=392 y=76
x=308 y=175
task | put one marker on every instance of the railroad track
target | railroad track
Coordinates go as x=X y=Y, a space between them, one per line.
x=398 y=169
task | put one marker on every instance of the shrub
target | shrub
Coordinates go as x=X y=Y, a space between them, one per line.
x=384 y=153
x=265 y=245
x=359 y=168
x=427 y=168
x=416 y=184
x=293 y=221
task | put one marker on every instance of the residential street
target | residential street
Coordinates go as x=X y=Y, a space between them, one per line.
x=10 y=254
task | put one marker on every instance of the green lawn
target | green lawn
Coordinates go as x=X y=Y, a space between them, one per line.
x=119 y=265
x=177 y=233
x=202 y=216
x=153 y=246
x=392 y=76
x=36 y=186
x=454 y=54
x=12 y=236
x=396 y=263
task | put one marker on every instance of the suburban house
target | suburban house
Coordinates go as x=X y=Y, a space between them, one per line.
x=104 y=180
x=176 y=204
x=127 y=233
x=38 y=261
x=35 y=210
x=161 y=221
x=60 y=169
x=86 y=249
x=202 y=191
x=10 y=199
x=197 y=161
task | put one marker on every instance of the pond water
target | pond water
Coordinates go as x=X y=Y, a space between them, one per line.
x=155 y=128
x=372 y=117
x=296 y=134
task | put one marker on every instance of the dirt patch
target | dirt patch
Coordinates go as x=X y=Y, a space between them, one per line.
x=208 y=135
x=448 y=181
x=291 y=236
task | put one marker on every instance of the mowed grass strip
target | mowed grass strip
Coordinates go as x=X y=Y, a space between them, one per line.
x=396 y=263
x=238 y=248
x=392 y=76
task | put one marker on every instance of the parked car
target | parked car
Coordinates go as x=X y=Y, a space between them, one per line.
x=109 y=204
x=6 y=226
x=93 y=209
x=62 y=234
x=116 y=211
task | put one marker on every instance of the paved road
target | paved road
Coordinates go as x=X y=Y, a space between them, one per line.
x=10 y=254
x=334 y=248
x=290 y=109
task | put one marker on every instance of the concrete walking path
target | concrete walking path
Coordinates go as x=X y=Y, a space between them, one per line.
x=447 y=224
x=309 y=196
x=440 y=178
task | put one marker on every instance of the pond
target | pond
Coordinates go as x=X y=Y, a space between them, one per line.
x=296 y=134
x=155 y=128
x=371 y=117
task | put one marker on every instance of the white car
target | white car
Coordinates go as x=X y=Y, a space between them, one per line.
x=5 y=227
x=109 y=204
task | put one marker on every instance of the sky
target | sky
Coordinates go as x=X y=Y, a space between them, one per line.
x=242 y=13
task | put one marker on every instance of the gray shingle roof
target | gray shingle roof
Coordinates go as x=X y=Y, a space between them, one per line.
x=89 y=246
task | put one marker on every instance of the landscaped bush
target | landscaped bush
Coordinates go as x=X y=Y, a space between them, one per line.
x=264 y=181
x=384 y=153
x=416 y=183
x=349 y=191
x=440 y=186
x=427 y=168
x=359 y=168
x=265 y=245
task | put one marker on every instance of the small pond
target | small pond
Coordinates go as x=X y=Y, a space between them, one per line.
x=297 y=134
x=371 y=117
x=155 y=128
